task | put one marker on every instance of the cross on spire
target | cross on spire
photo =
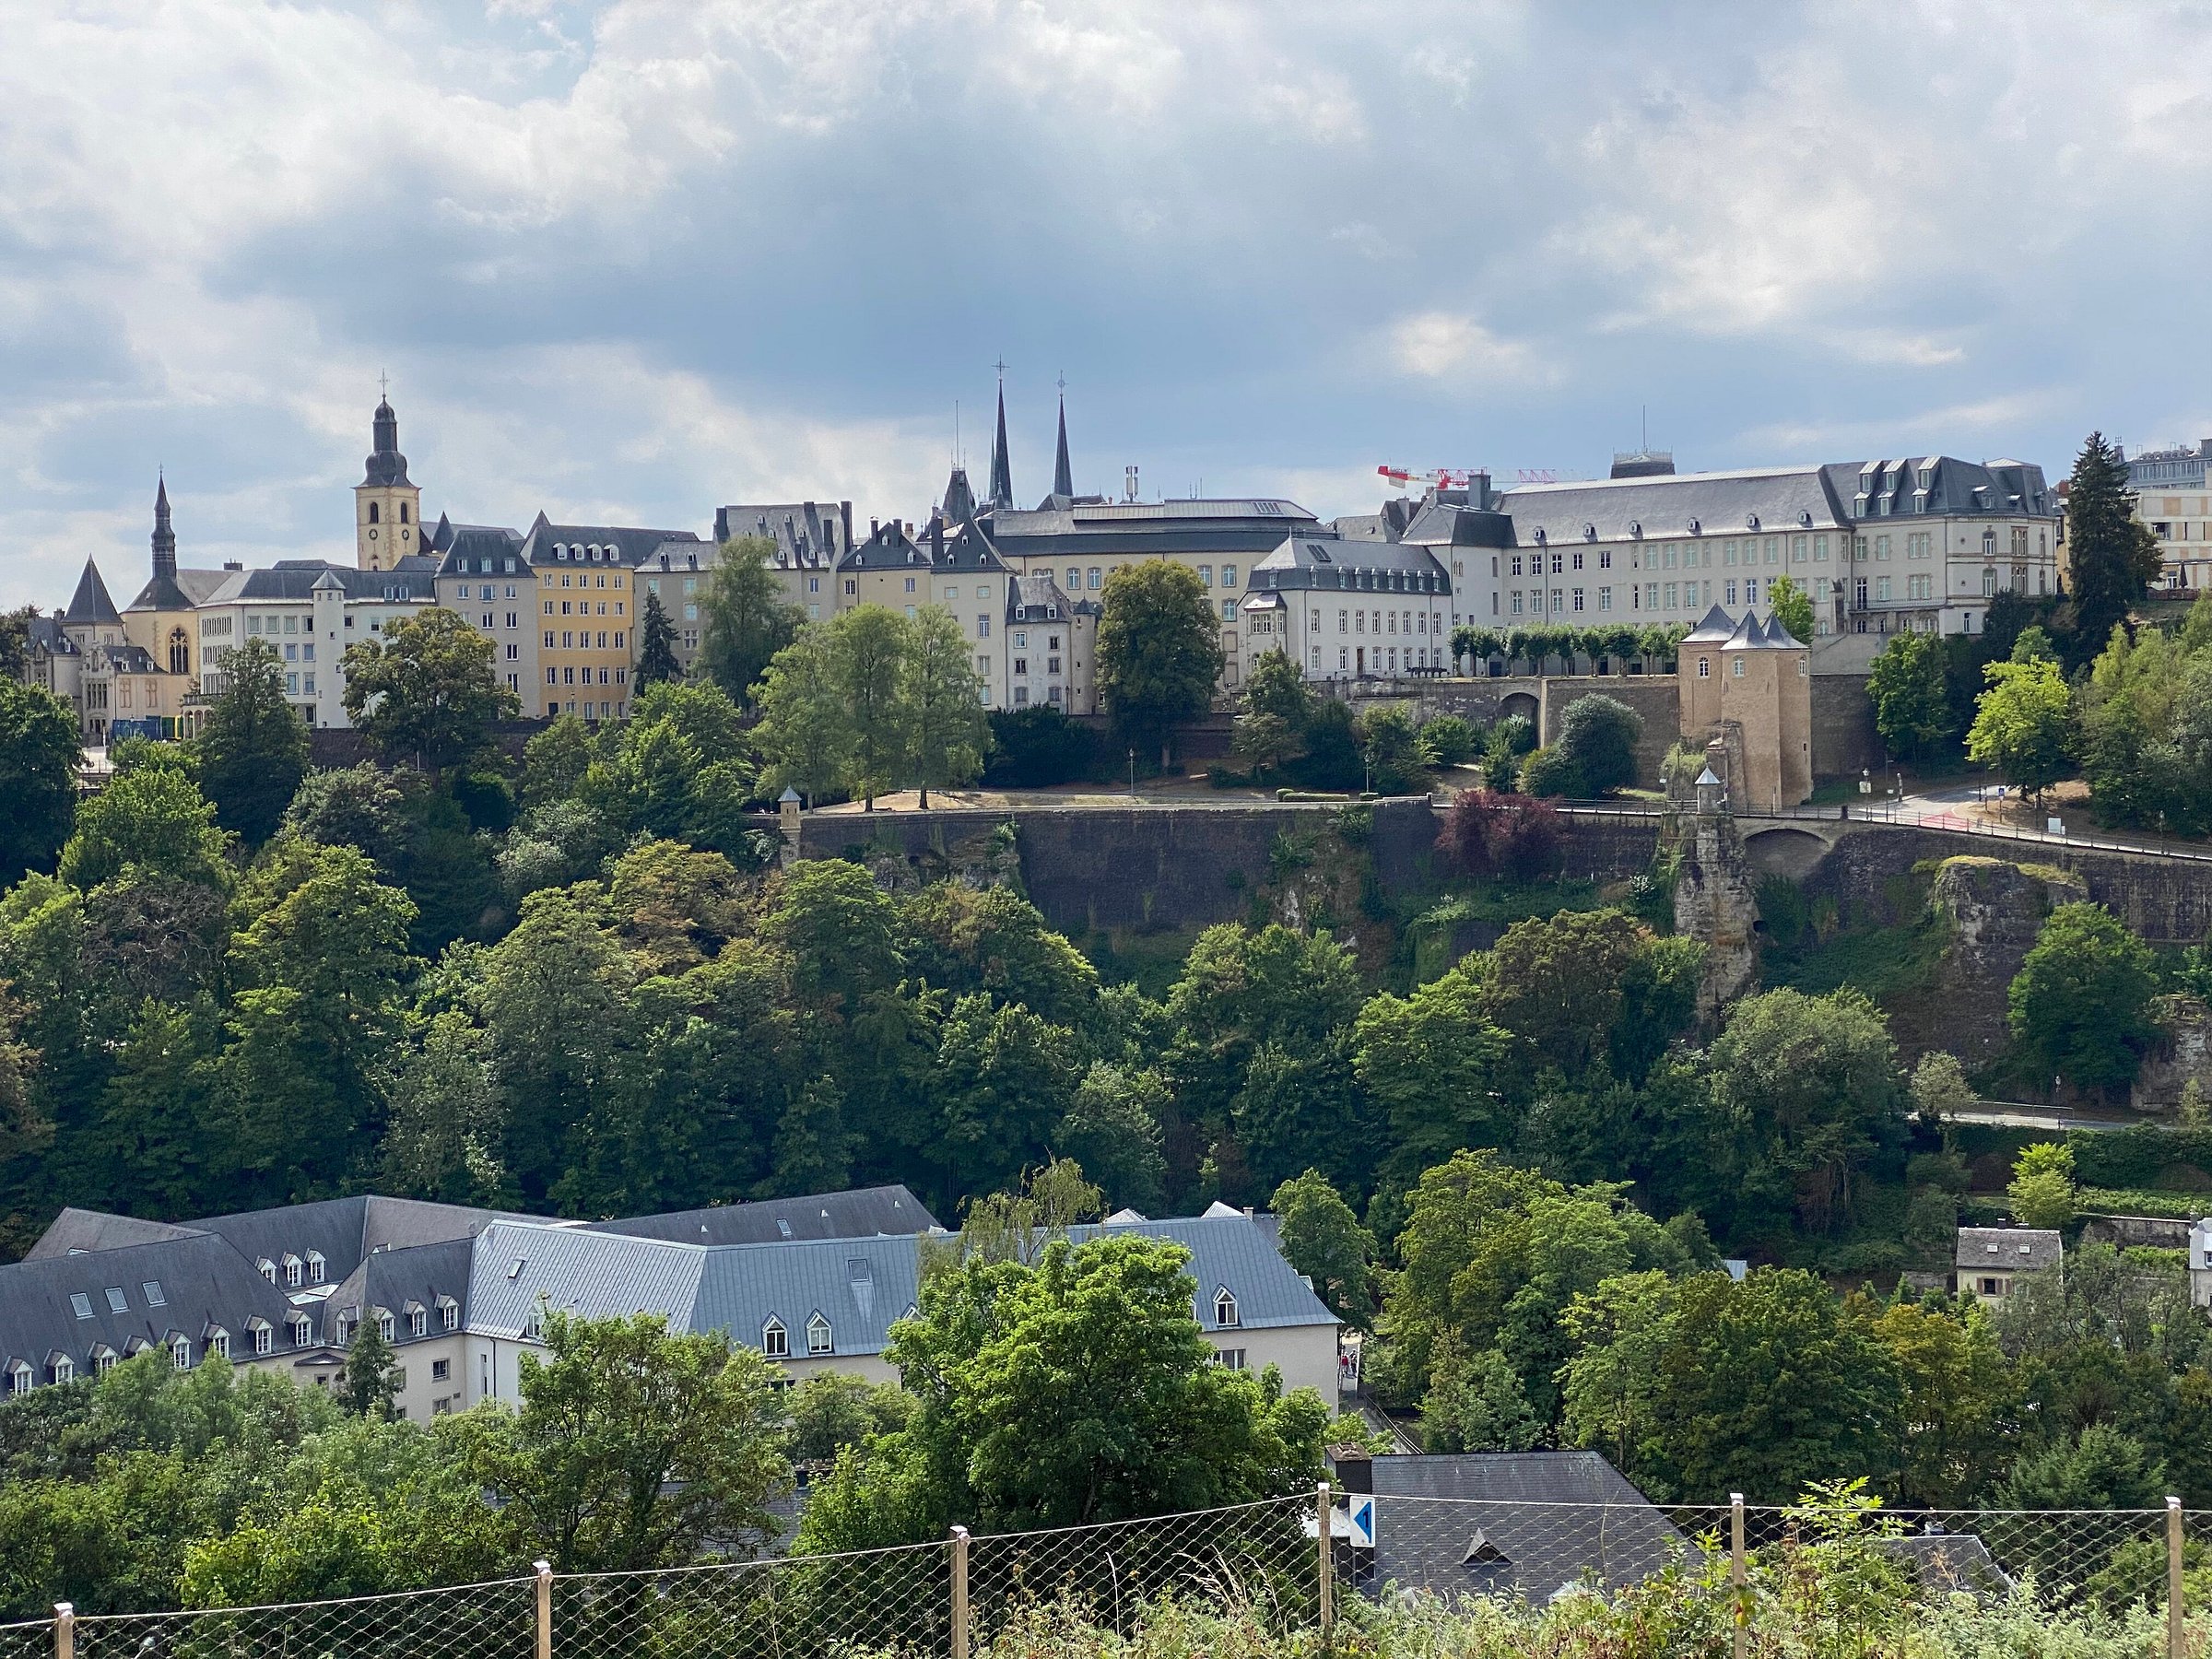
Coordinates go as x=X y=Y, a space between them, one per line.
x=1001 y=367
x=384 y=385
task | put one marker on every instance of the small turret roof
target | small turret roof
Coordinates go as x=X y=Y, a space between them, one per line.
x=1747 y=636
x=91 y=604
x=1780 y=638
x=1711 y=628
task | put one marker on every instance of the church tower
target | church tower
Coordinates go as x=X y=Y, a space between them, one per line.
x=387 y=509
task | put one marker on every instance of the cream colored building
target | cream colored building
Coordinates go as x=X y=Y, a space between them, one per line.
x=2173 y=497
x=307 y=612
x=1350 y=609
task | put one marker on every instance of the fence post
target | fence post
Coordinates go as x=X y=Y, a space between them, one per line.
x=544 y=1608
x=959 y=1592
x=2177 y=1642
x=1324 y=1512
x=1738 y=1573
x=65 y=1631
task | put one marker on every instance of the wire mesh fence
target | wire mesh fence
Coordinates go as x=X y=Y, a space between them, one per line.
x=1753 y=1580
x=469 y=1621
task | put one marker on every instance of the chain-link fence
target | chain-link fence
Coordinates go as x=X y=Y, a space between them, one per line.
x=1741 y=1579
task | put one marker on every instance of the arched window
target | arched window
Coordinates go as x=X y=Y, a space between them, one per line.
x=1225 y=1307
x=180 y=653
x=179 y=1353
x=372 y=512
x=403 y=512
x=775 y=1341
x=820 y=1339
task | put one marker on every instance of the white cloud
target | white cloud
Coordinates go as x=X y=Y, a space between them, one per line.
x=1439 y=344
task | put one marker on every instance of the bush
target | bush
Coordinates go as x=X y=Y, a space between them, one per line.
x=1039 y=746
x=1488 y=834
x=1331 y=759
x=1599 y=737
x=1450 y=740
x=1396 y=761
x=1552 y=771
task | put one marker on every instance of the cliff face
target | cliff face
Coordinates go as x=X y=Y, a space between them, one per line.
x=1993 y=909
x=1716 y=904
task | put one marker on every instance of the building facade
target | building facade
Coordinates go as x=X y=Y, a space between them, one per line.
x=2173 y=497
x=1350 y=609
x=307 y=611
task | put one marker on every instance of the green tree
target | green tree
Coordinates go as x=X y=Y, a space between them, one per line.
x=1476 y=1403
x=38 y=758
x=2113 y=554
x=829 y=1412
x=1450 y=739
x=1959 y=1396
x=1434 y=1063
x=949 y=734
x=1391 y=745
x=1074 y=1391
x=153 y=819
x=1323 y=1240
x=153 y=1142
x=869 y=649
x=1598 y=739
x=426 y=691
x=2041 y=1189
x=805 y=734
x=2101 y=1468
x=2023 y=724
x=1794 y=606
x=250 y=751
x=1808 y=1090
x=369 y=1385
x=746 y=619
x=1111 y=1129
x=656 y=645
x=448 y=1122
x=2080 y=1003
x=1157 y=651
x=1906 y=685
x=555 y=760
x=634 y=1447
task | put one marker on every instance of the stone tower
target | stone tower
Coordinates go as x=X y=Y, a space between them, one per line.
x=387 y=509
x=1714 y=902
x=1753 y=679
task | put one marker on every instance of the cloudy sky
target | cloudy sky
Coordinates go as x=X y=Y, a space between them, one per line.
x=625 y=261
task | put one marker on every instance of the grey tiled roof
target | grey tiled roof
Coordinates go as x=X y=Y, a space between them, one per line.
x=809 y=535
x=475 y=549
x=1231 y=525
x=887 y=548
x=628 y=546
x=1514 y=1522
x=1877 y=490
x=858 y=1214
x=201 y=1281
x=1037 y=599
x=295 y=580
x=91 y=602
x=1313 y=561
x=1780 y=498
x=2008 y=1249
x=397 y=1280
x=1454 y=525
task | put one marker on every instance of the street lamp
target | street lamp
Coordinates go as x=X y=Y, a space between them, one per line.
x=1133 y=773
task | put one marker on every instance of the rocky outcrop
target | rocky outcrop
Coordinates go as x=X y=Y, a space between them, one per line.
x=1715 y=900
x=1992 y=910
x=2184 y=1056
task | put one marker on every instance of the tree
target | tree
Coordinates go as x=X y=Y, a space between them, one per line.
x=746 y=619
x=2113 y=554
x=1794 y=606
x=251 y=749
x=2080 y=1003
x=2023 y=724
x=369 y=1384
x=830 y=1412
x=869 y=654
x=556 y=760
x=656 y=645
x=1598 y=739
x=1476 y=1403
x=1433 y=1063
x=1906 y=685
x=427 y=690
x=1158 y=651
x=803 y=733
x=1324 y=1240
x=634 y=1447
x=947 y=731
x=38 y=758
x=153 y=819
x=2041 y=1190
x=1111 y=1129
x=2101 y=1468
x=154 y=1142
x=1450 y=739
x=448 y=1124
x=1808 y=1088
x=1391 y=745
x=1074 y=1391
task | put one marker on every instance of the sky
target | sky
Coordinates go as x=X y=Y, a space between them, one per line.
x=627 y=262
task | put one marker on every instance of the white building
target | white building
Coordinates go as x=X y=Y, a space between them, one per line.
x=308 y=612
x=1345 y=609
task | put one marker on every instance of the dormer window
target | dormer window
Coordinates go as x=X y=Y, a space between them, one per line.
x=318 y=1270
x=20 y=1379
x=1225 y=1309
x=267 y=1269
x=449 y=1314
x=218 y=1343
x=62 y=1370
x=534 y=1328
x=820 y=1339
x=775 y=1341
x=104 y=1359
x=179 y=1353
x=295 y=1271
x=418 y=1320
x=263 y=1334
x=386 y=1326
x=300 y=1329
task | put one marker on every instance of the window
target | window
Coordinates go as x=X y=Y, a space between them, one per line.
x=264 y=1336
x=1229 y=1358
x=819 y=1338
x=533 y=1327
x=418 y=1320
x=154 y=1299
x=63 y=1369
x=775 y=1341
x=1225 y=1309
x=440 y=1370
x=179 y=1353
x=1228 y=575
x=1704 y=667
x=117 y=1302
x=80 y=1304
x=386 y=1326
x=318 y=1270
x=104 y=1359
x=20 y=1380
x=302 y=1329
x=449 y=1314
x=1739 y=668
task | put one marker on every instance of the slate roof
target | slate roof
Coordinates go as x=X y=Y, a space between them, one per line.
x=861 y=1213
x=1770 y=499
x=1711 y=628
x=1877 y=490
x=1526 y=1524
x=1037 y=599
x=90 y=604
x=966 y=548
x=201 y=1280
x=1314 y=561
x=1254 y=525
x=395 y=1279
x=887 y=547
x=616 y=544
x=809 y=535
x=474 y=549
x=1438 y=524
x=1950 y=1563
x=2008 y=1249
x=409 y=582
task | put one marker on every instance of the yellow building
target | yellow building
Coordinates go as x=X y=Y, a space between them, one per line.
x=387 y=508
x=586 y=576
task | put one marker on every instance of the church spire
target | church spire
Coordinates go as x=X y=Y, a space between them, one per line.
x=1002 y=471
x=1063 y=479
x=386 y=465
x=165 y=537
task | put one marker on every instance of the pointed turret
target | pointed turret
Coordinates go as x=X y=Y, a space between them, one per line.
x=1064 y=476
x=165 y=536
x=1002 y=471
x=959 y=499
x=1711 y=628
x=90 y=606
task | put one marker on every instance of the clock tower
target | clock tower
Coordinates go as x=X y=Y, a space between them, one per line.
x=387 y=509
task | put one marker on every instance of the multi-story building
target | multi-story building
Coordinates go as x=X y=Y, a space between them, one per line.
x=86 y=657
x=813 y=1283
x=1969 y=531
x=1050 y=647
x=586 y=618
x=307 y=611
x=2173 y=497
x=810 y=538
x=481 y=578
x=1348 y=609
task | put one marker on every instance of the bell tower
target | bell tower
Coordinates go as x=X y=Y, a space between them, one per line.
x=387 y=509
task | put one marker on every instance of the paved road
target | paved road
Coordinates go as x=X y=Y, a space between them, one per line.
x=2007 y=1115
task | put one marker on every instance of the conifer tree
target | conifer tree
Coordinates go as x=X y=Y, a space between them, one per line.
x=2113 y=555
x=656 y=647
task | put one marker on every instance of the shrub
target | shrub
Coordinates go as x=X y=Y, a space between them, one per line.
x=1331 y=759
x=1599 y=737
x=1551 y=772
x=1488 y=833
x=1038 y=746
x=1515 y=735
x=1450 y=740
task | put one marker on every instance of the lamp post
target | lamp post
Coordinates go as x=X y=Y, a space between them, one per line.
x=1133 y=773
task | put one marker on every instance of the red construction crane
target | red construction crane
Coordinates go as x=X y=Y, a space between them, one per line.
x=1441 y=477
